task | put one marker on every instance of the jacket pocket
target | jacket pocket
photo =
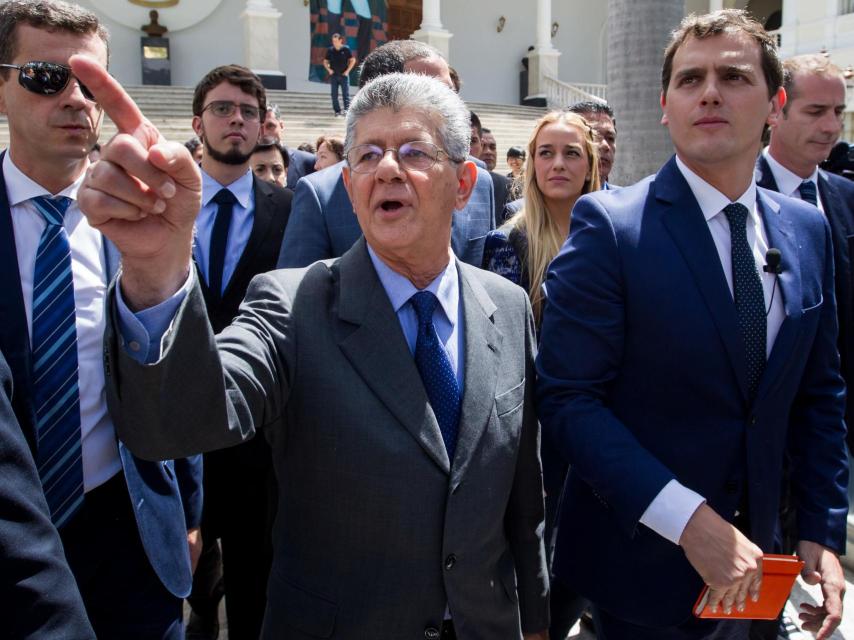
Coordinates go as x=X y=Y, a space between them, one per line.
x=510 y=400
x=303 y=610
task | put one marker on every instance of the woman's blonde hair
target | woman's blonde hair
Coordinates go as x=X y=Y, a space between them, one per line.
x=543 y=234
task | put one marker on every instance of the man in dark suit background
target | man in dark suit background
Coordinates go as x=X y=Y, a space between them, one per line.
x=126 y=524
x=37 y=590
x=801 y=138
x=300 y=163
x=673 y=379
x=322 y=223
x=500 y=183
x=394 y=383
x=238 y=234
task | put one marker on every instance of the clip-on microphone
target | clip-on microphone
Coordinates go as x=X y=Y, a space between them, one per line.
x=773 y=257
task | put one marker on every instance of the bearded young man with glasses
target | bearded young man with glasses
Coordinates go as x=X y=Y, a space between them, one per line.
x=128 y=527
x=239 y=231
x=395 y=383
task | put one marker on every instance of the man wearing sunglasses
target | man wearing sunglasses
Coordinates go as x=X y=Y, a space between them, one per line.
x=123 y=522
x=238 y=234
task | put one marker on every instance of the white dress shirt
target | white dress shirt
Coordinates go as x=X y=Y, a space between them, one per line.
x=100 y=451
x=671 y=509
x=788 y=182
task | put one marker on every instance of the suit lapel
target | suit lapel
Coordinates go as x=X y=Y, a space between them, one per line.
x=684 y=221
x=764 y=176
x=262 y=216
x=778 y=226
x=377 y=349
x=14 y=333
x=482 y=359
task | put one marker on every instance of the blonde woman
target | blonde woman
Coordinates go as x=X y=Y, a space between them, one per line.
x=561 y=165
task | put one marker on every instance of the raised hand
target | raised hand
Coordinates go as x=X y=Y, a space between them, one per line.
x=726 y=560
x=143 y=194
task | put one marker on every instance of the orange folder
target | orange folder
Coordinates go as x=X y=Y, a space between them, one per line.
x=778 y=575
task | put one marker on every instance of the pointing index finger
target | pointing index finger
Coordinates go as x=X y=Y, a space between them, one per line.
x=115 y=101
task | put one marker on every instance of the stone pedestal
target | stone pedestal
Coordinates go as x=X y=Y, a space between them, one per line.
x=435 y=37
x=156 y=64
x=261 y=43
x=541 y=63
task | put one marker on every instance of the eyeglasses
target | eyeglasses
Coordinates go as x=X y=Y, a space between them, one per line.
x=226 y=108
x=46 y=78
x=412 y=156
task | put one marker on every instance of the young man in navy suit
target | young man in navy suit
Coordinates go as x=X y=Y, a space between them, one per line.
x=127 y=526
x=675 y=371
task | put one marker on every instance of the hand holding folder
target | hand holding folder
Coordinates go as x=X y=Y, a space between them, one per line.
x=778 y=575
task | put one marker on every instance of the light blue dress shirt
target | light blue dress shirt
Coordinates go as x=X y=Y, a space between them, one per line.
x=238 y=231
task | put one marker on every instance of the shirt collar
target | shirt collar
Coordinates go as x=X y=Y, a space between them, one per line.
x=712 y=201
x=446 y=287
x=787 y=182
x=20 y=187
x=240 y=188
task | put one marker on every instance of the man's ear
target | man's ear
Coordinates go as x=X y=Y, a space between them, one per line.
x=467 y=176
x=197 y=126
x=663 y=102
x=348 y=185
x=778 y=101
x=3 y=95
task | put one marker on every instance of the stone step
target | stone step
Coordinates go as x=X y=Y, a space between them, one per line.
x=307 y=116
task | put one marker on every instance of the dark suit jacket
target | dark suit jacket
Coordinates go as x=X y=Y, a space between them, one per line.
x=500 y=187
x=837 y=197
x=38 y=592
x=378 y=529
x=323 y=224
x=642 y=379
x=250 y=460
x=300 y=164
x=166 y=496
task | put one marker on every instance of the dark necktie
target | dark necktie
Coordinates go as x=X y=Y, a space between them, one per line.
x=808 y=192
x=749 y=297
x=56 y=394
x=436 y=371
x=219 y=240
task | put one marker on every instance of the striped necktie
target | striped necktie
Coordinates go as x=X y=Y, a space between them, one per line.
x=808 y=192
x=55 y=385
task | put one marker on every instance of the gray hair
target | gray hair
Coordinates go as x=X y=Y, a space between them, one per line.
x=398 y=91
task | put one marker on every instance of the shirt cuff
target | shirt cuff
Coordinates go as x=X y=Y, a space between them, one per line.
x=669 y=512
x=142 y=332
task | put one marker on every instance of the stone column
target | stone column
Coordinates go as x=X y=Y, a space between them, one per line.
x=261 y=42
x=715 y=5
x=789 y=30
x=431 y=31
x=543 y=60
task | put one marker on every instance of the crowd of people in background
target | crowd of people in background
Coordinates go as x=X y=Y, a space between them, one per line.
x=371 y=387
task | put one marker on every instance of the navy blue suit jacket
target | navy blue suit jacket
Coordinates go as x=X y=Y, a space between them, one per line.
x=300 y=164
x=642 y=380
x=323 y=224
x=837 y=197
x=166 y=496
x=38 y=592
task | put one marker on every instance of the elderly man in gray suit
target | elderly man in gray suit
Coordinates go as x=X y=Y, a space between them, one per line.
x=394 y=383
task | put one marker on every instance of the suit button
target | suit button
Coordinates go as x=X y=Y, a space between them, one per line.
x=731 y=486
x=431 y=633
x=752 y=420
x=450 y=561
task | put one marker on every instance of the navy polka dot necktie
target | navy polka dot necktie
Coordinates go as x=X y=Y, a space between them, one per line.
x=749 y=297
x=436 y=371
x=808 y=192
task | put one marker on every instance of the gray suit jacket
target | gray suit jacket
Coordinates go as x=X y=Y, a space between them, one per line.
x=323 y=225
x=379 y=529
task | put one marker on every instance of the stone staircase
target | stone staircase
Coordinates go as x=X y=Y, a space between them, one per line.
x=307 y=115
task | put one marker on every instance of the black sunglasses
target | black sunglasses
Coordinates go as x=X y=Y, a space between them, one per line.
x=45 y=78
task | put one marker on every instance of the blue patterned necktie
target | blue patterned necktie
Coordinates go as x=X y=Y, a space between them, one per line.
x=55 y=385
x=808 y=192
x=749 y=296
x=219 y=240
x=436 y=371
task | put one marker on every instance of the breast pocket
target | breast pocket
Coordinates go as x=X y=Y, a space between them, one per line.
x=510 y=401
